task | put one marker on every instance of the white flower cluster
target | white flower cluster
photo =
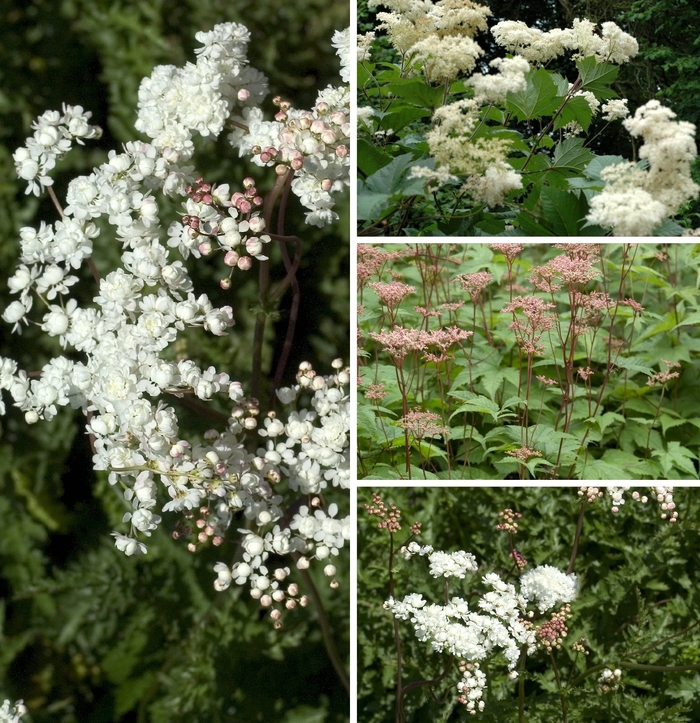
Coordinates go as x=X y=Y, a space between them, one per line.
x=611 y=46
x=120 y=370
x=12 y=713
x=443 y=564
x=174 y=103
x=663 y=495
x=548 y=587
x=510 y=79
x=313 y=144
x=452 y=564
x=53 y=137
x=636 y=200
x=501 y=622
x=411 y=22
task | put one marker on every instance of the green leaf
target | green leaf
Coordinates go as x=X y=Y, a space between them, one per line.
x=575 y=110
x=563 y=211
x=369 y=158
x=667 y=323
x=597 y=77
x=634 y=364
x=538 y=99
x=675 y=455
x=417 y=92
x=692 y=319
x=400 y=118
x=603 y=421
x=370 y=204
x=571 y=154
x=475 y=403
x=668 y=422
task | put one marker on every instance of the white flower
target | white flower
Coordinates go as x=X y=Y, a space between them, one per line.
x=451 y=564
x=547 y=586
x=128 y=545
x=12 y=713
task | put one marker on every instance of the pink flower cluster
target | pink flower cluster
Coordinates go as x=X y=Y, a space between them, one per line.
x=551 y=633
x=509 y=521
x=509 y=250
x=663 y=377
x=538 y=321
x=524 y=453
x=399 y=341
x=422 y=424
x=389 y=516
x=392 y=294
x=474 y=284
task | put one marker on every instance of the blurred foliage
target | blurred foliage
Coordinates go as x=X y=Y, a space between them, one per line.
x=87 y=634
x=637 y=593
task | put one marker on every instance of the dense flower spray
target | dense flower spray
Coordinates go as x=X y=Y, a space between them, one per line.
x=120 y=369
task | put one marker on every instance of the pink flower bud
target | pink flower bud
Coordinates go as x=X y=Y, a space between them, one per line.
x=243 y=95
x=245 y=263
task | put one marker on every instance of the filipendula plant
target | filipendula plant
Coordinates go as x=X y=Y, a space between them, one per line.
x=266 y=485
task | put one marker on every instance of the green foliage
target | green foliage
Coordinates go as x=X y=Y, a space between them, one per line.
x=637 y=606
x=605 y=410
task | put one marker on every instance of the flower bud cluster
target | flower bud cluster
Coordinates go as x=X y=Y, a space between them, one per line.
x=663 y=495
x=509 y=523
x=551 y=633
x=609 y=680
x=471 y=687
x=218 y=220
x=499 y=622
x=389 y=517
x=313 y=145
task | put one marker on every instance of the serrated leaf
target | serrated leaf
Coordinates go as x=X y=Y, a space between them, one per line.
x=538 y=99
x=689 y=320
x=475 y=403
x=675 y=455
x=575 y=110
x=603 y=421
x=401 y=117
x=597 y=77
x=668 y=422
x=417 y=92
x=369 y=158
x=571 y=154
x=634 y=365
x=563 y=211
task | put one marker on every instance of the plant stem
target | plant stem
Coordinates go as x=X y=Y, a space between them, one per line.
x=263 y=293
x=326 y=630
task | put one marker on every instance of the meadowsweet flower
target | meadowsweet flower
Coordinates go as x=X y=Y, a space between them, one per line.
x=444 y=58
x=364 y=47
x=422 y=424
x=392 y=294
x=547 y=586
x=458 y=154
x=615 y=109
x=454 y=564
x=510 y=79
x=475 y=283
x=10 y=713
x=609 y=680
